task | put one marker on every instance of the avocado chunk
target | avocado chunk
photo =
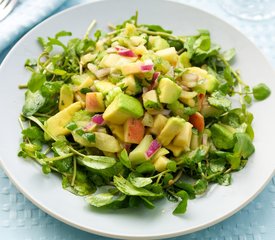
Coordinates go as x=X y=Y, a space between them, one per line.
x=103 y=86
x=150 y=100
x=122 y=108
x=66 y=97
x=84 y=80
x=56 y=125
x=168 y=90
x=103 y=142
x=157 y=43
x=222 y=136
x=131 y=84
x=206 y=81
x=137 y=156
x=170 y=130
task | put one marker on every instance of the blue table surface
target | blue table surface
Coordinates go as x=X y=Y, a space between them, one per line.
x=20 y=219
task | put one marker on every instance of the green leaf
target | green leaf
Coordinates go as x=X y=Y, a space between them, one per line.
x=97 y=162
x=97 y=35
x=203 y=42
x=261 y=91
x=63 y=34
x=128 y=188
x=156 y=28
x=229 y=54
x=61 y=147
x=200 y=186
x=187 y=187
x=33 y=102
x=217 y=165
x=146 y=167
x=181 y=208
x=224 y=179
x=33 y=133
x=81 y=187
x=219 y=101
x=124 y=159
x=243 y=146
x=104 y=199
x=139 y=181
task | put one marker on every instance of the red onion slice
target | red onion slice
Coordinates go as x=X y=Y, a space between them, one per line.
x=153 y=148
x=125 y=52
x=98 y=119
x=147 y=66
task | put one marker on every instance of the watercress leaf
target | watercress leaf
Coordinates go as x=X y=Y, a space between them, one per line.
x=261 y=91
x=203 y=42
x=63 y=34
x=247 y=99
x=139 y=181
x=224 y=179
x=229 y=54
x=33 y=102
x=157 y=28
x=146 y=167
x=219 y=101
x=243 y=146
x=187 y=187
x=172 y=166
x=80 y=188
x=104 y=199
x=217 y=165
x=181 y=208
x=97 y=35
x=63 y=165
x=97 y=162
x=60 y=147
x=128 y=188
x=124 y=159
x=200 y=186
x=177 y=44
x=33 y=133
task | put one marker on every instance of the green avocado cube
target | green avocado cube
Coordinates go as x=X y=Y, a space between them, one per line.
x=168 y=91
x=122 y=108
x=150 y=100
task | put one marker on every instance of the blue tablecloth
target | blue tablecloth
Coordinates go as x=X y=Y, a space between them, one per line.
x=20 y=219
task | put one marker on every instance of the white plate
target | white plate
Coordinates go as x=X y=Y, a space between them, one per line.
x=46 y=191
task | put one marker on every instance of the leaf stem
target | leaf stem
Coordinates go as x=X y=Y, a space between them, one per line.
x=89 y=29
x=58 y=158
x=74 y=173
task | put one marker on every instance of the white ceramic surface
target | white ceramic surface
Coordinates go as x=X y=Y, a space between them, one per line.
x=46 y=191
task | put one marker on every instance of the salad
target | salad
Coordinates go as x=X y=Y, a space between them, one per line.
x=137 y=114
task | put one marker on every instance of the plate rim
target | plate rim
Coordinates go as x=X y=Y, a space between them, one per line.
x=112 y=235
